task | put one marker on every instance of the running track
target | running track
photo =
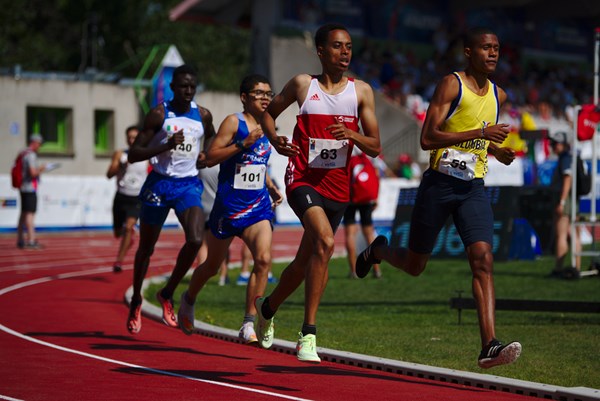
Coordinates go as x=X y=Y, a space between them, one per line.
x=63 y=337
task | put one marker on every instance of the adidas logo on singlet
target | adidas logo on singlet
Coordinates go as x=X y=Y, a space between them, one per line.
x=314 y=97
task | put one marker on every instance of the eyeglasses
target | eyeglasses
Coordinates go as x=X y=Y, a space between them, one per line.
x=262 y=94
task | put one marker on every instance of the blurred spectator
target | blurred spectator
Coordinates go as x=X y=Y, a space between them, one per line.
x=407 y=168
x=31 y=171
x=562 y=181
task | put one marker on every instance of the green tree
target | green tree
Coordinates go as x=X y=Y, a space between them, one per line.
x=116 y=37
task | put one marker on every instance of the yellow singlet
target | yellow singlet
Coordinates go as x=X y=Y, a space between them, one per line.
x=467 y=160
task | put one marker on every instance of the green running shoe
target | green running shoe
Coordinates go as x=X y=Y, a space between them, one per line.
x=307 y=348
x=265 y=328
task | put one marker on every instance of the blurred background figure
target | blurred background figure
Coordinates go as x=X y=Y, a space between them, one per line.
x=364 y=191
x=126 y=205
x=562 y=182
x=407 y=167
x=30 y=171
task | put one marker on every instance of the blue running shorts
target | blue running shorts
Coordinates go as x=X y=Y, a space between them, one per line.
x=160 y=193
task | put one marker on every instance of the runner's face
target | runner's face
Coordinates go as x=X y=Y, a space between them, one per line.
x=131 y=135
x=337 y=52
x=184 y=88
x=258 y=98
x=483 y=55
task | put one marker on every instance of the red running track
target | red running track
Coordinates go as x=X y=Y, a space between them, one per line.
x=63 y=337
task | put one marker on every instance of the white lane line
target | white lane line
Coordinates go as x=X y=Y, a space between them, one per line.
x=5 y=397
x=24 y=284
x=159 y=262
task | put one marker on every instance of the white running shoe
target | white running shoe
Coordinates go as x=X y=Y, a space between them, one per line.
x=247 y=333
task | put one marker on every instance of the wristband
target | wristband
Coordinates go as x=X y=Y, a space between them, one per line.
x=240 y=145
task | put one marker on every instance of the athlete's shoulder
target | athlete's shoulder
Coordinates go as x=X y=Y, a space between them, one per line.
x=447 y=88
x=301 y=80
x=361 y=85
x=204 y=112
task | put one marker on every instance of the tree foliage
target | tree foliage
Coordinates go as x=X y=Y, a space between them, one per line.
x=116 y=37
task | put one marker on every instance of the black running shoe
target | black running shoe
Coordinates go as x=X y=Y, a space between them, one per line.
x=366 y=259
x=495 y=353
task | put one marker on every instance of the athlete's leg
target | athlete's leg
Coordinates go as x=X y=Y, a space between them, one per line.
x=217 y=253
x=126 y=238
x=351 y=230
x=293 y=275
x=149 y=234
x=258 y=239
x=192 y=221
x=481 y=261
x=318 y=230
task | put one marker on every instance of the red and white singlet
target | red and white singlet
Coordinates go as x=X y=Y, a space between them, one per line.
x=323 y=161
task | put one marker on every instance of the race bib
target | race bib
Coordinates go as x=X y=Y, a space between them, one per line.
x=327 y=153
x=187 y=149
x=249 y=176
x=458 y=164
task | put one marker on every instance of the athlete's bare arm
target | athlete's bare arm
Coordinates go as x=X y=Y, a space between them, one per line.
x=294 y=91
x=209 y=134
x=139 y=150
x=432 y=137
x=115 y=164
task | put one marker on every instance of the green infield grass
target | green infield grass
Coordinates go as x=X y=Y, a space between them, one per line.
x=409 y=319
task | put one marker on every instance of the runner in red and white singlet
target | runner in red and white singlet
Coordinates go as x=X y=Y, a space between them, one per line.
x=317 y=177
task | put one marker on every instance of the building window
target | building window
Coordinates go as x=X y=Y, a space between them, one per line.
x=56 y=127
x=103 y=132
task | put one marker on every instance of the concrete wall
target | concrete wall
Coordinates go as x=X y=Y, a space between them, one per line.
x=83 y=98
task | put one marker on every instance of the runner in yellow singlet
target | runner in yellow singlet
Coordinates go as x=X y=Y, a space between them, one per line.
x=460 y=129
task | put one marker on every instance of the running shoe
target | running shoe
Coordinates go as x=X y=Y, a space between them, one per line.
x=243 y=278
x=117 y=268
x=366 y=259
x=495 y=353
x=265 y=328
x=34 y=245
x=186 y=316
x=307 y=348
x=168 y=315
x=134 y=320
x=247 y=333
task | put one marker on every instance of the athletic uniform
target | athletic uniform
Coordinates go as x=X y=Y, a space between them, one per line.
x=129 y=182
x=453 y=184
x=173 y=182
x=319 y=174
x=242 y=197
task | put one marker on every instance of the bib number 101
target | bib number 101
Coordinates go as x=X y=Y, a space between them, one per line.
x=249 y=176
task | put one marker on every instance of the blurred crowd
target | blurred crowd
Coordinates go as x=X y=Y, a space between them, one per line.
x=541 y=96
